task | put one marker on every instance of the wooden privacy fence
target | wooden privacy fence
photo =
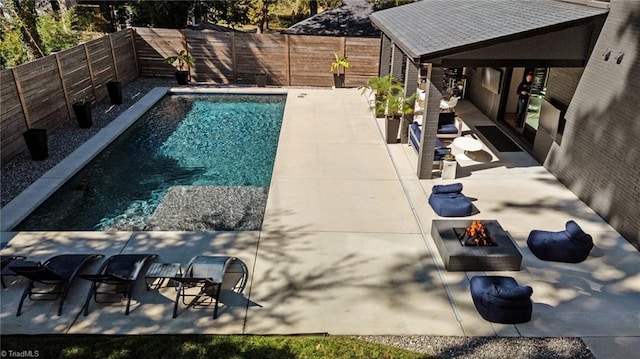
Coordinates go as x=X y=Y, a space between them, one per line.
x=40 y=94
x=233 y=57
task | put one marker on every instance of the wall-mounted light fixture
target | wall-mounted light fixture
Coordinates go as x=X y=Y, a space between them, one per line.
x=607 y=55
x=619 y=58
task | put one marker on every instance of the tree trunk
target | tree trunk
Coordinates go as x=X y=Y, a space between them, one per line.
x=26 y=11
x=313 y=7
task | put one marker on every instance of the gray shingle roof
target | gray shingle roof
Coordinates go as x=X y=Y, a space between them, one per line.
x=432 y=28
x=349 y=19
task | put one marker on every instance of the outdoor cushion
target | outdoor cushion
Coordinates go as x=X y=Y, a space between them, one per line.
x=448 y=201
x=447 y=129
x=447 y=188
x=414 y=136
x=447 y=123
x=500 y=299
x=570 y=246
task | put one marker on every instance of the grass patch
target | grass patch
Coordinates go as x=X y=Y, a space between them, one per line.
x=199 y=346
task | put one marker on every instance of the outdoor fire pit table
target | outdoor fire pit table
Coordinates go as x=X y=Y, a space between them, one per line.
x=503 y=256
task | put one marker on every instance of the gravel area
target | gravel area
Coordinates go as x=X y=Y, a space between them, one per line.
x=488 y=347
x=22 y=171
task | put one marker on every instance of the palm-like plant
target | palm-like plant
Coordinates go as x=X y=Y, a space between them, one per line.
x=394 y=104
x=381 y=85
x=183 y=59
x=339 y=64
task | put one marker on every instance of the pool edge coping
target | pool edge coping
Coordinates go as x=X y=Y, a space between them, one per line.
x=33 y=196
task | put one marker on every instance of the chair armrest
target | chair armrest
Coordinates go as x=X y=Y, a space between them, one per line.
x=458 y=124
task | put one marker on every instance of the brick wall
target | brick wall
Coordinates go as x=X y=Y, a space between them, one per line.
x=599 y=156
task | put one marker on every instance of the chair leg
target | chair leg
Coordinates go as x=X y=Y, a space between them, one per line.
x=26 y=292
x=85 y=311
x=215 y=308
x=175 y=305
x=4 y=286
x=64 y=296
x=128 y=290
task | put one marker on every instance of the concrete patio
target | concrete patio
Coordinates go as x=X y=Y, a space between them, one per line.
x=345 y=248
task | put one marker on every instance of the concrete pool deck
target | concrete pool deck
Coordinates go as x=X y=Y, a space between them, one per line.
x=345 y=248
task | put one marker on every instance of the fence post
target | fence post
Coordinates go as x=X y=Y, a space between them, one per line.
x=23 y=103
x=234 y=63
x=93 y=85
x=64 y=86
x=287 y=61
x=113 y=58
x=135 y=50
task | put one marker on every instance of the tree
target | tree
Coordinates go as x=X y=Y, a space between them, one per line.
x=12 y=48
x=25 y=11
x=167 y=14
x=56 y=31
x=313 y=7
x=231 y=12
x=259 y=13
x=385 y=4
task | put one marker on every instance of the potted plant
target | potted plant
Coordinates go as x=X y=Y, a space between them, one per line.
x=261 y=79
x=36 y=140
x=182 y=74
x=82 y=110
x=340 y=63
x=114 y=88
x=381 y=85
x=394 y=106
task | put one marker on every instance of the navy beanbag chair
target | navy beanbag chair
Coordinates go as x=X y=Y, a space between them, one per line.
x=570 y=246
x=448 y=201
x=501 y=300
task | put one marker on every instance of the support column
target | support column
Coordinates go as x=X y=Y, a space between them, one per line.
x=411 y=77
x=429 y=128
x=396 y=62
x=385 y=55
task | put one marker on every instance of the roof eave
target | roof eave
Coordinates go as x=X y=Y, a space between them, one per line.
x=385 y=31
x=512 y=37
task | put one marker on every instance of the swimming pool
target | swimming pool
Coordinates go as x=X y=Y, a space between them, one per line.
x=204 y=156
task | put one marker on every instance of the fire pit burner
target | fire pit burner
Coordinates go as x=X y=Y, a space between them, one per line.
x=475 y=235
x=502 y=256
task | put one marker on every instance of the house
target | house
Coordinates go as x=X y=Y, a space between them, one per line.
x=349 y=19
x=587 y=55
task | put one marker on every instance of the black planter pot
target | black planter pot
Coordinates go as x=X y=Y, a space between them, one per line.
x=261 y=80
x=36 y=139
x=83 y=114
x=338 y=80
x=115 y=92
x=391 y=127
x=182 y=77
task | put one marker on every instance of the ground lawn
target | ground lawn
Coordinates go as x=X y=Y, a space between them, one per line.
x=195 y=346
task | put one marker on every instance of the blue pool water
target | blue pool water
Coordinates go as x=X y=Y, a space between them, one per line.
x=213 y=140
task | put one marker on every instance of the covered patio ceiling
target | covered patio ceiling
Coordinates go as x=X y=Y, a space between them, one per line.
x=511 y=33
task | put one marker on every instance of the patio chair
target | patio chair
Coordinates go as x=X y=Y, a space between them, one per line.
x=449 y=125
x=449 y=105
x=116 y=276
x=438 y=154
x=211 y=275
x=5 y=261
x=55 y=276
